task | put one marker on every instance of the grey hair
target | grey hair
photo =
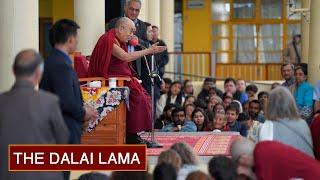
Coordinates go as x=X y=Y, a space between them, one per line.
x=129 y=1
x=281 y=105
x=240 y=147
x=186 y=153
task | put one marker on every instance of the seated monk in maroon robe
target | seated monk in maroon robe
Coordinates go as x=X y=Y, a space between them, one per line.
x=110 y=58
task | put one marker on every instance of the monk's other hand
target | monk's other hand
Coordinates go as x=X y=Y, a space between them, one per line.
x=157 y=49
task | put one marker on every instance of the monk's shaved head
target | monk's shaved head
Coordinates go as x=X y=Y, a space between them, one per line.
x=124 y=22
x=124 y=29
x=26 y=62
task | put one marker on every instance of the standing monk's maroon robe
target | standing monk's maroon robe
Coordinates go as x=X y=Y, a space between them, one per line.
x=104 y=64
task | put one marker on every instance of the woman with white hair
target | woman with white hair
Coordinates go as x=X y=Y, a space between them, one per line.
x=284 y=124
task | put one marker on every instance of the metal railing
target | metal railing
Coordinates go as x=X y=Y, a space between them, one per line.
x=198 y=65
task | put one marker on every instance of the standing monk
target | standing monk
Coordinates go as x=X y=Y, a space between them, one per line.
x=110 y=58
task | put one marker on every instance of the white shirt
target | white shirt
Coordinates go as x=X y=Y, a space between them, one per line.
x=266 y=131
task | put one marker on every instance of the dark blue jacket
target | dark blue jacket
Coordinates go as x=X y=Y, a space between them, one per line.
x=238 y=127
x=59 y=78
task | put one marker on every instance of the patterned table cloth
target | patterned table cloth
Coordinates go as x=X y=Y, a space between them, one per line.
x=104 y=100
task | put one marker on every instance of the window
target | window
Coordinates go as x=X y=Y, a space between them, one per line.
x=271 y=9
x=243 y=9
x=252 y=31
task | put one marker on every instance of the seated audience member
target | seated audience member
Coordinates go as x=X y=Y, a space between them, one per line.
x=241 y=85
x=197 y=175
x=230 y=87
x=200 y=104
x=130 y=175
x=207 y=84
x=232 y=113
x=251 y=125
x=245 y=107
x=303 y=93
x=188 y=157
x=164 y=171
x=315 y=132
x=316 y=97
x=217 y=123
x=179 y=123
x=165 y=118
x=213 y=92
x=219 y=108
x=251 y=91
x=263 y=97
x=255 y=111
x=174 y=96
x=241 y=151
x=222 y=167
x=189 y=100
x=274 y=160
x=93 y=176
x=227 y=99
x=167 y=83
x=172 y=157
x=287 y=72
x=237 y=104
x=200 y=119
x=213 y=100
x=189 y=110
x=274 y=85
x=283 y=122
x=187 y=88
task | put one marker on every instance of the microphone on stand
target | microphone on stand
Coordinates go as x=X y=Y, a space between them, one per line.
x=152 y=74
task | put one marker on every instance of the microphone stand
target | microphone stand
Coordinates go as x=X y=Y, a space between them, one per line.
x=153 y=75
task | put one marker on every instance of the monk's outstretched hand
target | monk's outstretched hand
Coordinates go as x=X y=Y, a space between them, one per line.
x=157 y=49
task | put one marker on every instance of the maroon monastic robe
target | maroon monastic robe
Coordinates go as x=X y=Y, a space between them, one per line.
x=104 y=64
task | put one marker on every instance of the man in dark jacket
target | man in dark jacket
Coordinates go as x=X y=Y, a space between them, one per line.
x=132 y=10
x=60 y=78
x=162 y=59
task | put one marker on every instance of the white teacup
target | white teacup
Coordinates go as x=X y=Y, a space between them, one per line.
x=95 y=84
x=112 y=82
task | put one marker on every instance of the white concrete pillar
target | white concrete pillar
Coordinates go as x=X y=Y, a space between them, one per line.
x=90 y=15
x=167 y=30
x=19 y=29
x=144 y=11
x=314 y=53
x=154 y=12
x=305 y=35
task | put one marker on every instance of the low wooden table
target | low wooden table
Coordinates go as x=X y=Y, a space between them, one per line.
x=111 y=130
x=110 y=126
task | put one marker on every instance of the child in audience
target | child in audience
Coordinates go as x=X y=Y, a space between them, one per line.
x=219 y=108
x=165 y=118
x=200 y=119
x=232 y=113
x=166 y=87
x=241 y=85
x=251 y=125
x=213 y=100
x=187 y=88
x=251 y=91
x=218 y=122
x=189 y=100
x=174 y=96
x=189 y=110
x=227 y=99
